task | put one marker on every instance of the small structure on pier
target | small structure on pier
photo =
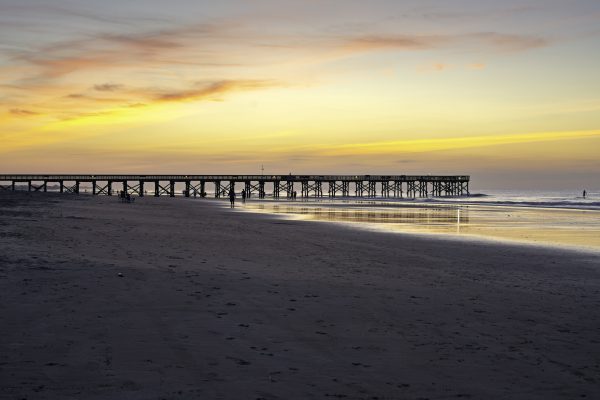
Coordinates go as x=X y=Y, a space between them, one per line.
x=392 y=186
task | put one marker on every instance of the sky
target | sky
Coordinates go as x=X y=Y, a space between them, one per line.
x=507 y=92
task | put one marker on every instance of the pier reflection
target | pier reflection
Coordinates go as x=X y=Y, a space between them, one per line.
x=425 y=219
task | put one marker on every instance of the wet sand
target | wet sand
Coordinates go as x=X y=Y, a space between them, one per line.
x=577 y=229
x=175 y=298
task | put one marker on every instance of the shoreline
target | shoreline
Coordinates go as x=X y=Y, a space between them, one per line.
x=219 y=304
x=431 y=202
x=441 y=201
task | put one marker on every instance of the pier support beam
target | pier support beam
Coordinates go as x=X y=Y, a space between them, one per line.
x=345 y=188
x=410 y=189
x=316 y=187
x=385 y=189
x=359 y=188
x=372 y=189
x=397 y=189
x=334 y=187
x=217 y=189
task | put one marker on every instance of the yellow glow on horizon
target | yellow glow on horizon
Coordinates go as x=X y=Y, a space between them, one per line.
x=437 y=144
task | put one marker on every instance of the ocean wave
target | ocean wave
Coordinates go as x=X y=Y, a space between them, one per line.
x=562 y=203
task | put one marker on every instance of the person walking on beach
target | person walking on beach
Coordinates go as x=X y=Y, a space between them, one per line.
x=232 y=198
x=584 y=193
x=244 y=196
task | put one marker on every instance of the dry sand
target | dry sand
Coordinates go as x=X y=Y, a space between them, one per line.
x=221 y=304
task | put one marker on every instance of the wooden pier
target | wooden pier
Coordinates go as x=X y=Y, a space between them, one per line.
x=390 y=186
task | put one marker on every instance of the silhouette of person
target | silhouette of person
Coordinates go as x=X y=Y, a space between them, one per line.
x=294 y=195
x=232 y=198
x=243 y=196
x=584 y=193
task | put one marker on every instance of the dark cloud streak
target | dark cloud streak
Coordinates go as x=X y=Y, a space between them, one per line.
x=213 y=89
x=22 y=112
x=108 y=87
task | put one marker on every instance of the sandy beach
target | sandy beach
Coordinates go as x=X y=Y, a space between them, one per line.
x=187 y=299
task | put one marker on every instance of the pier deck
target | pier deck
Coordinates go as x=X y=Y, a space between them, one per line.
x=392 y=186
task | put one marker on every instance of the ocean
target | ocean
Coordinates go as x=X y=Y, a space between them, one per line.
x=529 y=198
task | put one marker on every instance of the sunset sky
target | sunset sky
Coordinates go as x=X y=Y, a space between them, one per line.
x=508 y=92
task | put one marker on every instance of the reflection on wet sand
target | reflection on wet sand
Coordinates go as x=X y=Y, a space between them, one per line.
x=533 y=225
x=428 y=216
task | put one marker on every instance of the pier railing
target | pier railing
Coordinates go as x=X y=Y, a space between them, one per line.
x=397 y=186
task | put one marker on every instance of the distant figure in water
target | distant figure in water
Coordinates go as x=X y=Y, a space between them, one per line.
x=584 y=193
x=243 y=196
x=232 y=197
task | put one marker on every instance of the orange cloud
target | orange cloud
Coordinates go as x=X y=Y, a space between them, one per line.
x=55 y=67
x=477 y=66
x=395 y=42
x=491 y=40
x=510 y=42
x=435 y=67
